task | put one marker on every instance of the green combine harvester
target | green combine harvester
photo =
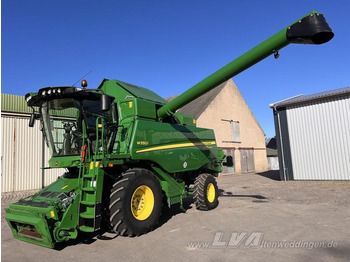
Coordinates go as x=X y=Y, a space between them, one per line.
x=128 y=152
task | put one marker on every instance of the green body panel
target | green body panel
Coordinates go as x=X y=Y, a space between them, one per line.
x=141 y=92
x=175 y=148
x=64 y=161
x=61 y=185
x=121 y=91
x=186 y=120
x=139 y=130
x=29 y=217
x=174 y=190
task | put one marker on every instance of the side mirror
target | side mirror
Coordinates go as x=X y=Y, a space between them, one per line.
x=229 y=161
x=32 y=120
x=106 y=102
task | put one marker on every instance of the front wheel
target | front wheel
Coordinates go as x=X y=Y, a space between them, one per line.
x=135 y=202
x=205 y=192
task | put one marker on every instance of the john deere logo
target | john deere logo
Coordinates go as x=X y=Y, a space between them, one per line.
x=56 y=163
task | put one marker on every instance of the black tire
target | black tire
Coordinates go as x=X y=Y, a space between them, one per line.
x=203 y=199
x=122 y=218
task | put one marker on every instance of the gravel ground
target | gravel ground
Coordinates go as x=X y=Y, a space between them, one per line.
x=253 y=207
x=297 y=192
x=10 y=197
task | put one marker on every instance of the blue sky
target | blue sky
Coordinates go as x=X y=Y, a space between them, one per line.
x=168 y=46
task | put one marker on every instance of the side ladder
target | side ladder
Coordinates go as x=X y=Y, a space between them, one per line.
x=90 y=199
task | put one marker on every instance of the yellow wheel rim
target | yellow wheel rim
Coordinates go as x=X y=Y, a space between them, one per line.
x=211 y=192
x=142 y=202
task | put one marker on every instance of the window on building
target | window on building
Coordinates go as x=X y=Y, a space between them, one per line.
x=235 y=131
x=236 y=134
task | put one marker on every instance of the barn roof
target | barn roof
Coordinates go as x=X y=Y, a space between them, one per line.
x=198 y=106
x=14 y=104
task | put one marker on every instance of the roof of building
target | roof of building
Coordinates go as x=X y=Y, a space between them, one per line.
x=313 y=97
x=198 y=106
x=272 y=143
x=14 y=103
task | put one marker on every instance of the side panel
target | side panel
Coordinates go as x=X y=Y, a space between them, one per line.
x=175 y=148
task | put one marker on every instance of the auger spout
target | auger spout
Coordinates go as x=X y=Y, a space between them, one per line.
x=310 y=29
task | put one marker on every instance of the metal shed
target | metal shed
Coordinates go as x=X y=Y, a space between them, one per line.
x=313 y=136
x=23 y=151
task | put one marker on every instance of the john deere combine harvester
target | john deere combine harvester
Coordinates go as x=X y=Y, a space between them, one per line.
x=127 y=151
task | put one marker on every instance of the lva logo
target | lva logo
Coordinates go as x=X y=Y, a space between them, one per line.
x=237 y=239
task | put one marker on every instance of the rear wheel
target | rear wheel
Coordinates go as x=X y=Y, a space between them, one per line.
x=205 y=192
x=135 y=202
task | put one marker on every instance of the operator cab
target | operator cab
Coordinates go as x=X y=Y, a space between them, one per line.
x=70 y=118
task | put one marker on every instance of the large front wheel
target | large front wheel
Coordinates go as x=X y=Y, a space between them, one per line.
x=135 y=202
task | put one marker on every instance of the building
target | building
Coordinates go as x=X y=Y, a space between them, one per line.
x=23 y=152
x=237 y=131
x=313 y=136
x=272 y=155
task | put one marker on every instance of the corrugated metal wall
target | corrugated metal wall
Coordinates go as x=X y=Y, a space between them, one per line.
x=7 y=153
x=21 y=155
x=319 y=135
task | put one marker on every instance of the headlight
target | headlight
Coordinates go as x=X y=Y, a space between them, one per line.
x=43 y=93
x=59 y=90
x=49 y=92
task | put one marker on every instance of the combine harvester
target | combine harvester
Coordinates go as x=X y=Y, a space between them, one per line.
x=127 y=151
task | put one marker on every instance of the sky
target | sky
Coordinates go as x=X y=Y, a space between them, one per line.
x=169 y=46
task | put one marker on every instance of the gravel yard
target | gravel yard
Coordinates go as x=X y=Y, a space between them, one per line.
x=258 y=219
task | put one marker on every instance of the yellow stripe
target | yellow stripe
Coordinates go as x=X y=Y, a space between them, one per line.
x=176 y=146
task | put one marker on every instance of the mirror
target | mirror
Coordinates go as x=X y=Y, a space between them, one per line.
x=229 y=161
x=32 y=120
x=106 y=102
